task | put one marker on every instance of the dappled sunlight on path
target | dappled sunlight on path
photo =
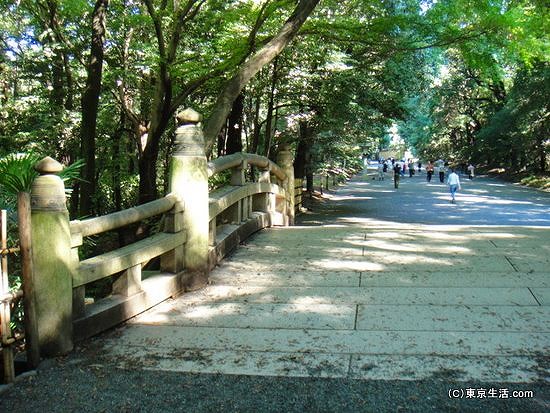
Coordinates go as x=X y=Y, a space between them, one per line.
x=372 y=284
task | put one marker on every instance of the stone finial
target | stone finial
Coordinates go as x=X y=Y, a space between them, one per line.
x=48 y=166
x=188 y=116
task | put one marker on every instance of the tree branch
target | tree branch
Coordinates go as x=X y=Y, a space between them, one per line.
x=247 y=70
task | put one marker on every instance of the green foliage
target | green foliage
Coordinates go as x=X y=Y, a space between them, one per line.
x=17 y=172
x=357 y=67
x=541 y=182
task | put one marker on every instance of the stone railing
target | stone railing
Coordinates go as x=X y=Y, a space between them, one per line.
x=199 y=228
x=245 y=206
x=61 y=277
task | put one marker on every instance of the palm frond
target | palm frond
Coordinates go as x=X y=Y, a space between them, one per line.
x=17 y=172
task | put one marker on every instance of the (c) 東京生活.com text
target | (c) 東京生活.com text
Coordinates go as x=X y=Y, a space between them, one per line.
x=488 y=393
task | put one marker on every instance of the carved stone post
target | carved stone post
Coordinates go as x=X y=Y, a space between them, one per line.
x=285 y=160
x=189 y=180
x=53 y=261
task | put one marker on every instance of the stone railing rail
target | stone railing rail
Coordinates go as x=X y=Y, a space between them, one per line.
x=199 y=228
x=238 y=210
x=132 y=292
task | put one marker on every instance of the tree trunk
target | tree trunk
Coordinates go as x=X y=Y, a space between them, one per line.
x=90 y=104
x=255 y=141
x=160 y=117
x=234 y=141
x=269 y=122
x=252 y=66
x=302 y=151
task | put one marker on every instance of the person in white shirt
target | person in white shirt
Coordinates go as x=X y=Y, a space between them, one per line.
x=454 y=184
x=471 y=171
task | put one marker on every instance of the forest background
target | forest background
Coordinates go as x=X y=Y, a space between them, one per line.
x=99 y=83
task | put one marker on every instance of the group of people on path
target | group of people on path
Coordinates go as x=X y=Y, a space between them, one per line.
x=439 y=168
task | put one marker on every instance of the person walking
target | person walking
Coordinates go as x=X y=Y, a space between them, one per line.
x=471 y=169
x=429 y=171
x=396 y=175
x=441 y=173
x=454 y=184
x=380 y=171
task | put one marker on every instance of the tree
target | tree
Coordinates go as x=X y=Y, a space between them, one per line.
x=90 y=105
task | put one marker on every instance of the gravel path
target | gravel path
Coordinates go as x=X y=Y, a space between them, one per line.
x=76 y=384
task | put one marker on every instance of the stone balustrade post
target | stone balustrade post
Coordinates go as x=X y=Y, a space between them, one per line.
x=189 y=180
x=285 y=160
x=53 y=262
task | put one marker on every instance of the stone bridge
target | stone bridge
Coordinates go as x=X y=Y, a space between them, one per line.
x=374 y=283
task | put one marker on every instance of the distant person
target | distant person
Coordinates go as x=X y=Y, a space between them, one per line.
x=454 y=184
x=471 y=169
x=411 y=168
x=396 y=174
x=429 y=171
x=419 y=166
x=403 y=167
x=385 y=167
x=380 y=171
x=441 y=173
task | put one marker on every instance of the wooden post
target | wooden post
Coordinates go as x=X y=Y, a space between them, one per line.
x=189 y=180
x=25 y=243
x=5 y=313
x=52 y=260
x=285 y=160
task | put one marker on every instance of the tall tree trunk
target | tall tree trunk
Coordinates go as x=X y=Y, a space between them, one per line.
x=234 y=141
x=302 y=151
x=303 y=166
x=269 y=121
x=262 y=57
x=257 y=126
x=90 y=105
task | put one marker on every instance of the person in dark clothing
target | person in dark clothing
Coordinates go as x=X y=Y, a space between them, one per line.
x=396 y=174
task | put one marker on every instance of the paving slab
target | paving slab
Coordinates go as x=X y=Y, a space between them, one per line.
x=264 y=363
x=269 y=277
x=309 y=278
x=533 y=263
x=357 y=366
x=365 y=295
x=462 y=368
x=542 y=295
x=250 y=315
x=453 y=318
x=442 y=279
x=333 y=341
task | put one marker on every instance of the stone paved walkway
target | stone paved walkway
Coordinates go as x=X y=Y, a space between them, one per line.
x=376 y=283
